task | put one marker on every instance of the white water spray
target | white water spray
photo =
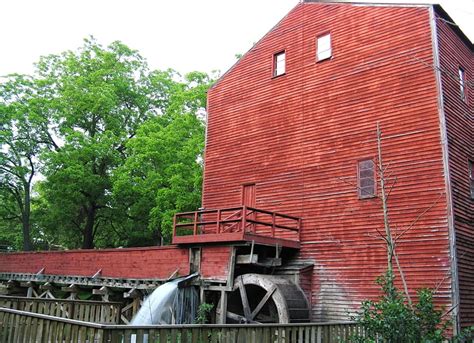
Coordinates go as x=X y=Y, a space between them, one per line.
x=168 y=304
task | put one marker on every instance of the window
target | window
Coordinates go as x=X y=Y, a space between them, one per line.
x=366 y=179
x=471 y=177
x=462 y=84
x=323 y=46
x=279 y=64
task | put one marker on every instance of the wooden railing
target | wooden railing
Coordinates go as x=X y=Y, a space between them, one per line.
x=19 y=326
x=84 y=310
x=245 y=220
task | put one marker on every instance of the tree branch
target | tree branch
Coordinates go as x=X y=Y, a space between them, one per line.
x=418 y=218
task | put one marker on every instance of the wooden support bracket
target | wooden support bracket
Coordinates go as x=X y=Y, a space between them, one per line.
x=132 y=294
x=97 y=274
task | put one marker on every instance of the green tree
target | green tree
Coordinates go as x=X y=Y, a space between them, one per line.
x=23 y=134
x=106 y=106
x=118 y=148
x=163 y=172
x=98 y=98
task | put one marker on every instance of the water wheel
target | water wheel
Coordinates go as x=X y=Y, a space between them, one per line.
x=258 y=298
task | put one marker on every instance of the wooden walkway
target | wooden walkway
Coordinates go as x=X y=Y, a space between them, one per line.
x=20 y=326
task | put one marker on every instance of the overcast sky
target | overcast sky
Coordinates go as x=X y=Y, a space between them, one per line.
x=184 y=35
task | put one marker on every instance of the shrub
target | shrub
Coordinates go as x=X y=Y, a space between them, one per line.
x=392 y=319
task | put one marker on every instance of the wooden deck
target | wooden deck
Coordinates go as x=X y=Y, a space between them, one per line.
x=237 y=224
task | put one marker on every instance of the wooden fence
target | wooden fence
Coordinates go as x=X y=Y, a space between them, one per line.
x=20 y=326
x=84 y=310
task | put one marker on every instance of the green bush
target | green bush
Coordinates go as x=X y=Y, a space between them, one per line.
x=203 y=313
x=392 y=319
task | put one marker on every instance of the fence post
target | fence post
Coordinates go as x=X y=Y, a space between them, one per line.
x=195 y=223
x=273 y=224
x=299 y=229
x=244 y=218
x=218 y=229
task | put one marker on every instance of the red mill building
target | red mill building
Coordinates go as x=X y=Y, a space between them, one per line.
x=290 y=187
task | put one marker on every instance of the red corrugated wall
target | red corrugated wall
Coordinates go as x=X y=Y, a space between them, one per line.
x=147 y=263
x=460 y=131
x=298 y=137
x=215 y=262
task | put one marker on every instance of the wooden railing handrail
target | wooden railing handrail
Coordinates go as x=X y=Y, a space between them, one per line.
x=278 y=226
x=228 y=221
x=52 y=318
x=90 y=302
x=272 y=212
x=182 y=214
x=174 y=326
x=242 y=218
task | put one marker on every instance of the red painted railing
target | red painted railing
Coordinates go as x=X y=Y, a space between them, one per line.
x=236 y=223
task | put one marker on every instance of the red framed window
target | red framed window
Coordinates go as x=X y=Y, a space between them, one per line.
x=366 y=184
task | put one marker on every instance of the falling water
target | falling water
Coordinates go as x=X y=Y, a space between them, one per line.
x=169 y=304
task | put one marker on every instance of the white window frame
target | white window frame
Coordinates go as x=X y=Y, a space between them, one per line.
x=323 y=47
x=470 y=164
x=462 y=83
x=279 y=65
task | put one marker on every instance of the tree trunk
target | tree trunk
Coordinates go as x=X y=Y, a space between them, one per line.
x=88 y=236
x=25 y=220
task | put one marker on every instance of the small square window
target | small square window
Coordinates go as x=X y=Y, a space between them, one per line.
x=462 y=84
x=323 y=44
x=366 y=179
x=279 y=61
x=471 y=177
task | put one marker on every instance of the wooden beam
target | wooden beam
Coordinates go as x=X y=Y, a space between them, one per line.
x=247 y=259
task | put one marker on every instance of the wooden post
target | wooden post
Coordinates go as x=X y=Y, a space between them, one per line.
x=174 y=225
x=202 y=298
x=273 y=224
x=244 y=218
x=195 y=223
x=218 y=228
x=223 y=308
x=299 y=229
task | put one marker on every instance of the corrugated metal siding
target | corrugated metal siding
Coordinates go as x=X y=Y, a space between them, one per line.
x=296 y=136
x=145 y=263
x=460 y=131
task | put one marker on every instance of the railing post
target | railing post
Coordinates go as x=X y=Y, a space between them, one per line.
x=299 y=229
x=218 y=228
x=195 y=223
x=273 y=224
x=244 y=218
x=174 y=225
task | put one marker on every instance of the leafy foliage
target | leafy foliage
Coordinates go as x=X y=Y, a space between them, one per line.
x=391 y=319
x=22 y=137
x=203 y=313
x=118 y=147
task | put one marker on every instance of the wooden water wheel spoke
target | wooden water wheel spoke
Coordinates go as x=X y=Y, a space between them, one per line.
x=245 y=301
x=239 y=318
x=262 y=302
x=260 y=298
